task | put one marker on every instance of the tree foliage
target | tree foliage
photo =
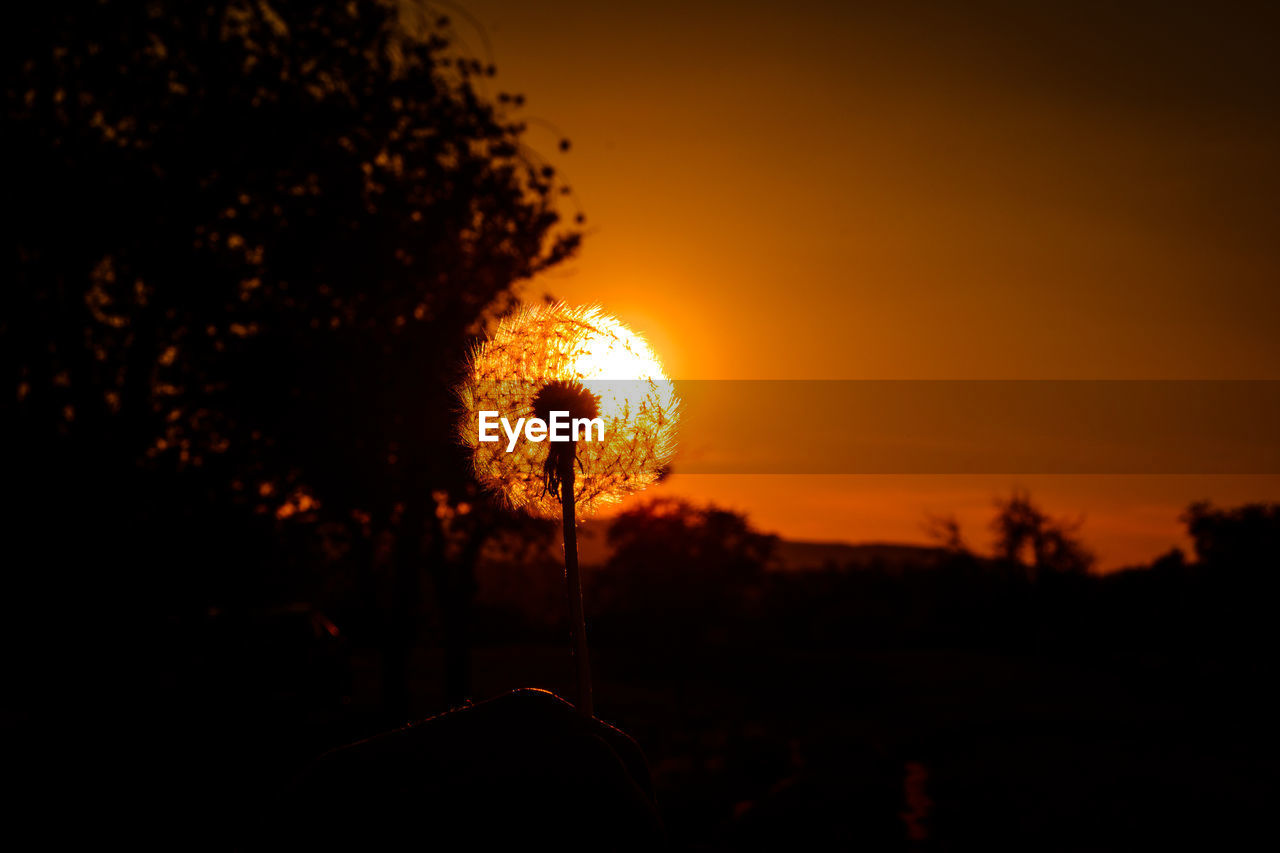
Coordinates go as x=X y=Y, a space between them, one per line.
x=249 y=244
x=1027 y=536
x=680 y=573
x=1239 y=540
x=256 y=236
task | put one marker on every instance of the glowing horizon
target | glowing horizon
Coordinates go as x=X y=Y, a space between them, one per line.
x=911 y=193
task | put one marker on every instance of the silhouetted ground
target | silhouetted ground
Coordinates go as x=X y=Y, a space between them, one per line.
x=1029 y=752
x=888 y=750
x=885 y=749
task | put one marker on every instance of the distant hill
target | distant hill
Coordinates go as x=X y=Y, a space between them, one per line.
x=798 y=555
x=793 y=555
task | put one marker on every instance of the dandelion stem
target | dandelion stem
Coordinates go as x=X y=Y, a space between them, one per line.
x=577 y=619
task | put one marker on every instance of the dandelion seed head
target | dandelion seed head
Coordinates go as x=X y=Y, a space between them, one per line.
x=548 y=356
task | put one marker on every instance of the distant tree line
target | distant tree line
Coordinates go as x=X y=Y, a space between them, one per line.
x=688 y=581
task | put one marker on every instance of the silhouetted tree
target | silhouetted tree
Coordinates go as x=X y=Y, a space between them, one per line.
x=945 y=530
x=1026 y=536
x=1244 y=540
x=1051 y=604
x=1236 y=577
x=679 y=573
x=249 y=242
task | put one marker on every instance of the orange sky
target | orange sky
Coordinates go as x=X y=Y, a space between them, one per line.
x=814 y=190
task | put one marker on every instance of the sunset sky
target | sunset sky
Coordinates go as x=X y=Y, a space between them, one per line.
x=833 y=191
